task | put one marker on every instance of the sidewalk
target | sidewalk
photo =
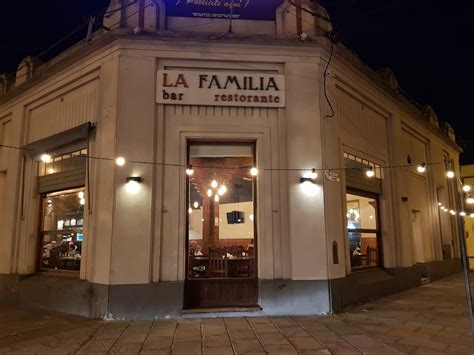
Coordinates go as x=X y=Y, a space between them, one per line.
x=428 y=320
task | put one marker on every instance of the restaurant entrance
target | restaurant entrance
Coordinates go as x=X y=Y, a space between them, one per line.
x=221 y=265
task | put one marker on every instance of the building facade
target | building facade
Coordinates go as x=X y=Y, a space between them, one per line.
x=265 y=169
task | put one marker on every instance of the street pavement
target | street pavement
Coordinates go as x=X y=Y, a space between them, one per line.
x=432 y=319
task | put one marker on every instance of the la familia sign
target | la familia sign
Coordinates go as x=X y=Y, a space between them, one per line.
x=261 y=10
x=176 y=87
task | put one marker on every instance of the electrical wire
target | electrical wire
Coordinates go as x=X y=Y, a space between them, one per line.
x=33 y=151
x=325 y=81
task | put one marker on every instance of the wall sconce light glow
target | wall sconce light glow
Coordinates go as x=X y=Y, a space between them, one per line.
x=82 y=201
x=309 y=187
x=421 y=168
x=196 y=204
x=254 y=171
x=209 y=193
x=133 y=184
x=370 y=173
x=46 y=158
x=189 y=170
x=214 y=184
x=470 y=201
x=466 y=188
x=450 y=174
x=310 y=174
x=462 y=214
x=120 y=161
x=216 y=198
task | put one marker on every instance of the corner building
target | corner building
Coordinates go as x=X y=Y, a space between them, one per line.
x=169 y=89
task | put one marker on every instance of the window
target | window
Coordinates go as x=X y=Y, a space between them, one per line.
x=61 y=230
x=62 y=163
x=221 y=217
x=363 y=230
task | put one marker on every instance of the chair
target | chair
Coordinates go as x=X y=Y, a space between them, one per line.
x=217 y=263
x=371 y=256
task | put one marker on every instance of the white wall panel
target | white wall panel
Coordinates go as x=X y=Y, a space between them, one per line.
x=63 y=112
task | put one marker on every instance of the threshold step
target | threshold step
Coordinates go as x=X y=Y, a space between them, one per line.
x=425 y=280
x=222 y=309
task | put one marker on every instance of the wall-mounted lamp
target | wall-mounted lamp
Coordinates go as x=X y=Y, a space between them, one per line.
x=308 y=182
x=133 y=184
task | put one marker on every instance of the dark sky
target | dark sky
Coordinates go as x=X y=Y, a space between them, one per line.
x=427 y=43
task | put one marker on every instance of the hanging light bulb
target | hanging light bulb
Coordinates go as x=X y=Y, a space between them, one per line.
x=370 y=173
x=209 y=192
x=216 y=197
x=453 y=212
x=81 y=194
x=222 y=190
x=120 y=161
x=466 y=188
x=450 y=174
x=189 y=170
x=196 y=204
x=440 y=204
x=190 y=210
x=254 y=171
x=462 y=214
x=421 y=168
x=46 y=158
x=82 y=201
x=471 y=215
x=214 y=184
x=470 y=201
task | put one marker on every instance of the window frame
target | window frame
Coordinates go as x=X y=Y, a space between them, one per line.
x=41 y=233
x=377 y=231
x=253 y=145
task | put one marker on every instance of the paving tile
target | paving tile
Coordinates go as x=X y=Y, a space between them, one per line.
x=216 y=341
x=294 y=331
x=95 y=346
x=422 y=343
x=306 y=343
x=362 y=341
x=328 y=337
x=155 y=352
x=158 y=343
x=343 y=349
x=247 y=346
x=125 y=349
x=191 y=348
x=272 y=339
x=218 y=351
x=209 y=329
x=282 y=349
x=260 y=328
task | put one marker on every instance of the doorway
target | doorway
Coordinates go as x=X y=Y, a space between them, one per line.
x=221 y=241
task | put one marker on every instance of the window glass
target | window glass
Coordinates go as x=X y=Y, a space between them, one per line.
x=362 y=219
x=221 y=212
x=62 y=230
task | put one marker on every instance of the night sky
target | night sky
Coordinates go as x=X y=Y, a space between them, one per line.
x=428 y=44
